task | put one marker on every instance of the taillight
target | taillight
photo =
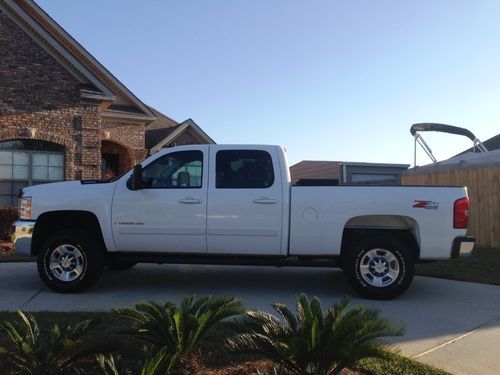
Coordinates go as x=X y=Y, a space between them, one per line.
x=461 y=213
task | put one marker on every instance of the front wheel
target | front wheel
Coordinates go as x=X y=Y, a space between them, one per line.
x=379 y=267
x=70 y=261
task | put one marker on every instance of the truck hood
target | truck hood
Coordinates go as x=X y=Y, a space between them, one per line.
x=34 y=189
x=70 y=195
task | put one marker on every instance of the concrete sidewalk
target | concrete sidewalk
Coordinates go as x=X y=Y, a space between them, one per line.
x=449 y=324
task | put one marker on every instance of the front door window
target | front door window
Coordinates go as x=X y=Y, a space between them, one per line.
x=181 y=169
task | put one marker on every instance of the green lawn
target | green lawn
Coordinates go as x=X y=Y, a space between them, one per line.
x=481 y=267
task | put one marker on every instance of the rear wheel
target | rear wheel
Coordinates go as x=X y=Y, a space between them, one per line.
x=70 y=261
x=379 y=267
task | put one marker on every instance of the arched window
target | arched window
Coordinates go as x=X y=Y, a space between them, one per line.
x=28 y=162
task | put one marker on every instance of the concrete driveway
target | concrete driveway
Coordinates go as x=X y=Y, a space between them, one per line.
x=449 y=324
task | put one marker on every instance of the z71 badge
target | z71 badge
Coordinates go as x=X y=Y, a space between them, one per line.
x=428 y=205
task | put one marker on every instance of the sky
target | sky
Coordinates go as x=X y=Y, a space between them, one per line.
x=328 y=80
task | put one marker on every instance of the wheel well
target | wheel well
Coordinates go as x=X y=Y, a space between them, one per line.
x=50 y=222
x=352 y=235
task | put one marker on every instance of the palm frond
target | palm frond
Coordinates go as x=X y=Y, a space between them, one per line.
x=12 y=332
x=313 y=341
x=156 y=363
x=108 y=364
x=42 y=354
x=32 y=330
x=177 y=330
x=287 y=315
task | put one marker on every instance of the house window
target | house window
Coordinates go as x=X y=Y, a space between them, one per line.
x=28 y=162
x=110 y=163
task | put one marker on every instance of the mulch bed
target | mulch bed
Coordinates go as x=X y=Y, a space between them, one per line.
x=6 y=248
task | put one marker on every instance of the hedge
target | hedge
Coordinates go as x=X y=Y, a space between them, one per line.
x=7 y=216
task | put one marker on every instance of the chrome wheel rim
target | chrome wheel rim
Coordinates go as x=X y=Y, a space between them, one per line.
x=379 y=268
x=66 y=262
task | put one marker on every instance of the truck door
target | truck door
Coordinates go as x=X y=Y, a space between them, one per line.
x=169 y=213
x=245 y=204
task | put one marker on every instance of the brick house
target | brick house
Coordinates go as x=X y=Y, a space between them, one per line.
x=63 y=115
x=165 y=132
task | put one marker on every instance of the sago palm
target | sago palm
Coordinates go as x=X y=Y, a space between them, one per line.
x=150 y=365
x=313 y=341
x=173 y=331
x=39 y=354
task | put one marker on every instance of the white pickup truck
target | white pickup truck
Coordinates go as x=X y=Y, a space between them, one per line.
x=234 y=204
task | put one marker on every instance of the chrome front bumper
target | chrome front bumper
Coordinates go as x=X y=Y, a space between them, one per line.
x=23 y=231
x=463 y=246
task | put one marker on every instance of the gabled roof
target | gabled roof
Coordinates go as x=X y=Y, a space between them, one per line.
x=155 y=136
x=101 y=85
x=164 y=131
x=162 y=121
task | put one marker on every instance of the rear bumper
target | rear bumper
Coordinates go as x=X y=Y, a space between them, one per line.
x=462 y=246
x=23 y=231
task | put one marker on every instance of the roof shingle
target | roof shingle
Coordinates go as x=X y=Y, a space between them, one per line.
x=159 y=129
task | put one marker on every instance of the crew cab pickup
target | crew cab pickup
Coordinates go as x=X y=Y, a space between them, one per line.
x=234 y=204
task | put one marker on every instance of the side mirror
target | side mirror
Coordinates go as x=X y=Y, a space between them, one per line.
x=135 y=181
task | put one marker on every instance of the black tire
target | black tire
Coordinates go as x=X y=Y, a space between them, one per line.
x=379 y=267
x=81 y=260
x=118 y=264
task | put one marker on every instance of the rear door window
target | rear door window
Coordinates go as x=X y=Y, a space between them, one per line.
x=244 y=169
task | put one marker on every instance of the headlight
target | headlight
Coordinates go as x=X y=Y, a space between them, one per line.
x=24 y=208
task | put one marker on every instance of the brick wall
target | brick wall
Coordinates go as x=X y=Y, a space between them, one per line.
x=77 y=129
x=130 y=135
x=30 y=79
x=40 y=99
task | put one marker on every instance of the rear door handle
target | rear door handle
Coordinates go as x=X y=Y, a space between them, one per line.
x=265 y=201
x=190 y=200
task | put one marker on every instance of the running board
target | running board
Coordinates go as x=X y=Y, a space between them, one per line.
x=233 y=260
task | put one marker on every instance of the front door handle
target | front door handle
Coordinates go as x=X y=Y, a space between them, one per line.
x=190 y=200
x=265 y=201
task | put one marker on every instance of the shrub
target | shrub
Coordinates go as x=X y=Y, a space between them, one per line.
x=174 y=331
x=7 y=216
x=36 y=353
x=313 y=341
